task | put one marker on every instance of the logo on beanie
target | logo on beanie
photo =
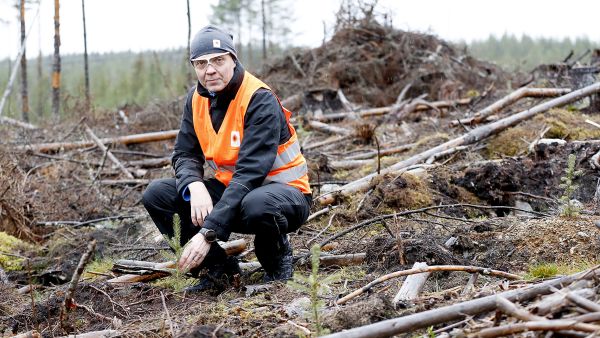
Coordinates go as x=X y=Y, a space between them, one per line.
x=235 y=139
x=217 y=43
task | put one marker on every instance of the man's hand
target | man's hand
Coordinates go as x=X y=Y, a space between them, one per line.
x=194 y=253
x=200 y=202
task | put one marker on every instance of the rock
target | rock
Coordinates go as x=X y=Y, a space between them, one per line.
x=524 y=206
x=298 y=307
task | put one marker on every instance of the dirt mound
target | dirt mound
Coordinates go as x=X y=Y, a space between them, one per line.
x=372 y=63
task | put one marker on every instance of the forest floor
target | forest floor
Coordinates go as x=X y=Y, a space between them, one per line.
x=497 y=203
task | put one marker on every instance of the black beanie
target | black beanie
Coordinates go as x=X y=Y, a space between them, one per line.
x=211 y=39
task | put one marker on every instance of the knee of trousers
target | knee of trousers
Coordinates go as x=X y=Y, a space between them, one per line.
x=150 y=197
x=259 y=209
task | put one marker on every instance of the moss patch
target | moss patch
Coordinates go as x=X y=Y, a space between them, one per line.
x=563 y=123
x=12 y=245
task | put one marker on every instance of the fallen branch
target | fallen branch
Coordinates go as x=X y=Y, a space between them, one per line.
x=546 y=325
x=231 y=248
x=108 y=153
x=326 y=128
x=129 y=139
x=458 y=311
x=466 y=268
x=329 y=141
x=510 y=99
x=13 y=122
x=135 y=181
x=385 y=110
x=472 y=136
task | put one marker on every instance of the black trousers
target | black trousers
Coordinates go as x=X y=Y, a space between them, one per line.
x=269 y=212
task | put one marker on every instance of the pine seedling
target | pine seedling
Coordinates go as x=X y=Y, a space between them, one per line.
x=568 y=207
x=315 y=288
x=175 y=244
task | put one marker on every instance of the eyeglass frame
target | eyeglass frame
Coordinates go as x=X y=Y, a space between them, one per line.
x=211 y=62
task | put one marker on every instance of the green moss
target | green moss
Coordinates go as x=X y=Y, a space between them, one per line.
x=175 y=283
x=103 y=265
x=407 y=191
x=546 y=270
x=12 y=245
x=563 y=123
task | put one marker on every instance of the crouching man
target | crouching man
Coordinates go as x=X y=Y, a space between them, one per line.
x=235 y=124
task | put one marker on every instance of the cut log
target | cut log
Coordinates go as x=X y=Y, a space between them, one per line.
x=150 y=163
x=385 y=110
x=332 y=140
x=129 y=139
x=342 y=260
x=231 y=248
x=412 y=286
x=108 y=153
x=458 y=311
x=473 y=136
x=510 y=99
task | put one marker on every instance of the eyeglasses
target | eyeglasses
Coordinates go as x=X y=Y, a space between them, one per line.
x=217 y=61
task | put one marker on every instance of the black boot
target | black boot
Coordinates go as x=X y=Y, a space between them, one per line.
x=279 y=265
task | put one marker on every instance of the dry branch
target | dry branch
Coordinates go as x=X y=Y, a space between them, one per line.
x=458 y=311
x=546 y=325
x=326 y=128
x=510 y=99
x=13 y=122
x=107 y=152
x=69 y=302
x=385 y=110
x=472 y=136
x=129 y=139
x=467 y=268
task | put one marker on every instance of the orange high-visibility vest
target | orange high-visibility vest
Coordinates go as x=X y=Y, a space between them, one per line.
x=221 y=148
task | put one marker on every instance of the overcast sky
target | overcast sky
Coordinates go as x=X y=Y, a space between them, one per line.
x=118 y=25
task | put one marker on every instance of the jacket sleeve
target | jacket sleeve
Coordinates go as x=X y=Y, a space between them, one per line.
x=255 y=159
x=188 y=158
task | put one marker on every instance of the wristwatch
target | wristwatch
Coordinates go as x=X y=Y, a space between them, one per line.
x=209 y=235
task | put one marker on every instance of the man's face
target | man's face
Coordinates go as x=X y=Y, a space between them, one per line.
x=214 y=71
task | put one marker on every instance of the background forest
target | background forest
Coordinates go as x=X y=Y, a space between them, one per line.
x=126 y=79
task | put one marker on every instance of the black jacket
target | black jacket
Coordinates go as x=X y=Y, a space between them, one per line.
x=265 y=128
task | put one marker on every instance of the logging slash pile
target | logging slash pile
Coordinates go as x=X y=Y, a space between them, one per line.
x=451 y=199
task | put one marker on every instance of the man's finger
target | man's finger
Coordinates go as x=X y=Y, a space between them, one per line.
x=193 y=215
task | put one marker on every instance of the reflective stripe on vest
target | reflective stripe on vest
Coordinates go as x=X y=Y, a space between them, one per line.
x=288 y=175
x=287 y=156
x=213 y=165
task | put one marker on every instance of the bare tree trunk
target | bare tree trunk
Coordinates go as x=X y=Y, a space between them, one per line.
x=56 y=66
x=40 y=96
x=24 y=96
x=85 y=60
x=189 y=30
x=264 y=30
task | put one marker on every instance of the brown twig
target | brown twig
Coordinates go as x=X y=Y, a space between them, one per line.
x=69 y=302
x=162 y=296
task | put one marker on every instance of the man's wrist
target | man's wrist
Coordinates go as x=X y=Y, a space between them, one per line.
x=209 y=234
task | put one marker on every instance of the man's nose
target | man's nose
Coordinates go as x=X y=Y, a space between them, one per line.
x=210 y=69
